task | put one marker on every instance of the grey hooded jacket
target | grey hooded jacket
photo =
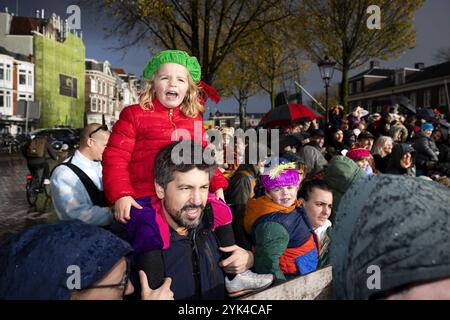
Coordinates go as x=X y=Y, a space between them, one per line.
x=398 y=224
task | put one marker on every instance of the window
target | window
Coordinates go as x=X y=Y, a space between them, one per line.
x=23 y=97
x=22 y=77
x=5 y=99
x=399 y=77
x=100 y=87
x=93 y=85
x=427 y=98
x=8 y=72
x=358 y=86
x=94 y=104
x=30 y=79
x=442 y=96
x=2 y=71
x=8 y=99
x=413 y=99
x=350 y=88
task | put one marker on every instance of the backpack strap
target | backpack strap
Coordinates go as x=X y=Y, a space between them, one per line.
x=97 y=196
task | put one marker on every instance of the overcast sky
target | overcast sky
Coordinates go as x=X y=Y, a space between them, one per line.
x=432 y=24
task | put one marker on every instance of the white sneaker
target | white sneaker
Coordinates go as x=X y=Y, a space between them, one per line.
x=46 y=181
x=247 y=282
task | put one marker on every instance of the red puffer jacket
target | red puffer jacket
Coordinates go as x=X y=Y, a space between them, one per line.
x=136 y=139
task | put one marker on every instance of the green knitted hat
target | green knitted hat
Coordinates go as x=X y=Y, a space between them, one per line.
x=173 y=56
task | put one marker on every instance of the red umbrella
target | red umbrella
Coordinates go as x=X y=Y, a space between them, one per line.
x=284 y=115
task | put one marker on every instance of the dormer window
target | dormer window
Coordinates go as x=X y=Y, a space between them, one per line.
x=399 y=77
x=358 y=86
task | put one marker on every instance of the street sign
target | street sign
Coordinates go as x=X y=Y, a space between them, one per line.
x=34 y=110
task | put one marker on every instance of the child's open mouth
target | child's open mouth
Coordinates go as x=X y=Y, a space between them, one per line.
x=172 y=94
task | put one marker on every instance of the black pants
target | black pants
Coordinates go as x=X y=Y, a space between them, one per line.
x=35 y=165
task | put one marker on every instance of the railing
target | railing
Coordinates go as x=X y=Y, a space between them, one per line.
x=313 y=286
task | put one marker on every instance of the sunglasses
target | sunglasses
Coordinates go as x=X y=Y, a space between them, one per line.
x=102 y=127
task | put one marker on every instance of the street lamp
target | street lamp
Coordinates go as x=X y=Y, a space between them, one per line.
x=326 y=67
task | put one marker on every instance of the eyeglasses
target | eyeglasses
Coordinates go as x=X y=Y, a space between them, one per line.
x=123 y=283
x=102 y=127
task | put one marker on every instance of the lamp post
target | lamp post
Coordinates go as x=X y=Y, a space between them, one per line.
x=326 y=67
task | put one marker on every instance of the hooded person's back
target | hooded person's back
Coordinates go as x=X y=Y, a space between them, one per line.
x=400 y=225
x=339 y=175
x=393 y=162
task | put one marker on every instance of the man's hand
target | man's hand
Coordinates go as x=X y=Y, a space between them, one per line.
x=162 y=293
x=239 y=261
x=219 y=194
x=122 y=208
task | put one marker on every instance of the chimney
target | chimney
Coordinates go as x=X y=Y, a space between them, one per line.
x=6 y=9
x=42 y=14
x=374 y=64
x=419 y=65
x=38 y=13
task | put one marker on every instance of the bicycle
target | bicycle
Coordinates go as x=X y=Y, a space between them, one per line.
x=34 y=187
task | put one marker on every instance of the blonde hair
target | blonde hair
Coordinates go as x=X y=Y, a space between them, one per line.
x=190 y=106
x=378 y=146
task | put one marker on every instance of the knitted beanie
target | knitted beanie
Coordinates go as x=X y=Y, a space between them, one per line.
x=358 y=153
x=173 y=56
x=35 y=263
x=426 y=126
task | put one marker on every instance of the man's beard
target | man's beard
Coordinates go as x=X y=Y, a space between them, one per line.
x=177 y=216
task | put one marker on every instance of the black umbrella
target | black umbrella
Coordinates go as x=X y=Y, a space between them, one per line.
x=426 y=113
x=403 y=102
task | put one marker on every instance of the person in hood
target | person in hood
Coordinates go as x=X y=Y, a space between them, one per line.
x=284 y=241
x=44 y=261
x=335 y=143
x=427 y=153
x=341 y=173
x=391 y=243
x=401 y=161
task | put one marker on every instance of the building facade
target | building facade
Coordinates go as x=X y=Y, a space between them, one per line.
x=424 y=87
x=58 y=57
x=219 y=119
x=100 y=92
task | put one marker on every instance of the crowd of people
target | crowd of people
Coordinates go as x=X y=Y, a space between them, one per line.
x=140 y=209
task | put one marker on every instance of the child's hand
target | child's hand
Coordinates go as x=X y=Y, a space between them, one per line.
x=122 y=208
x=219 y=194
x=162 y=293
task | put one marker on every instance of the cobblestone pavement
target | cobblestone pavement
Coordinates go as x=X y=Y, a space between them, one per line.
x=15 y=213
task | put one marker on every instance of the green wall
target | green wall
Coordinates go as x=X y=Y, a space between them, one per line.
x=51 y=59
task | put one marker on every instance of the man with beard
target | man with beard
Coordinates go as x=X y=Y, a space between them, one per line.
x=196 y=234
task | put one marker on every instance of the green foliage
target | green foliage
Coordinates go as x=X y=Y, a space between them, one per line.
x=209 y=30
